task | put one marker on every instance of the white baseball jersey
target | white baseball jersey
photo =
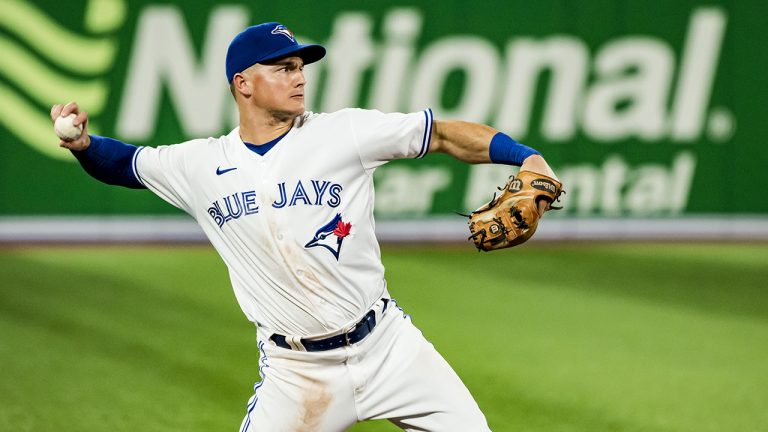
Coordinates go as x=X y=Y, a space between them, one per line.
x=295 y=226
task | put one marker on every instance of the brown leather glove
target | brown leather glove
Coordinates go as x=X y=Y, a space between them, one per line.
x=511 y=218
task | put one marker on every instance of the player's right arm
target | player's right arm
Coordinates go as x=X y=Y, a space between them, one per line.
x=105 y=159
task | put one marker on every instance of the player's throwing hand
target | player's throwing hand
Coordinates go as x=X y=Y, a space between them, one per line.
x=81 y=142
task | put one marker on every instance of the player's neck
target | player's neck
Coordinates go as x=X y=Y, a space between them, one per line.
x=260 y=128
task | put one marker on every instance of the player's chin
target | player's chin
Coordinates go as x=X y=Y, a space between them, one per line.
x=295 y=106
x=298 y=102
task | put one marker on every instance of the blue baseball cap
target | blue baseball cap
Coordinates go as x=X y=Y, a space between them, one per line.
x=264 y=42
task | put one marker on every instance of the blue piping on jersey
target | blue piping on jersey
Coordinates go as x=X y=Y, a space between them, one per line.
x=427 y=139
x=252 y=403
x=133 y=165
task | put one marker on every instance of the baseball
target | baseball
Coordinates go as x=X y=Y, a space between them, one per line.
x=65 y=129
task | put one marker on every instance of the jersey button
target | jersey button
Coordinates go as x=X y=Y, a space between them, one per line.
x=280 y=236
x=299 y=272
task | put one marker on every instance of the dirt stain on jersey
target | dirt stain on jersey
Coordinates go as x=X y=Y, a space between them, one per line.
x=292 y=254
x=314 y=404
x=312 y=283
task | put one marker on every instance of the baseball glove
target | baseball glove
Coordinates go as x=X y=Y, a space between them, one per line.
x=511 y=218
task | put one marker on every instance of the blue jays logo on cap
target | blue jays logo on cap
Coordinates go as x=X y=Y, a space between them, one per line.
x=331 y=235
x=283 y=30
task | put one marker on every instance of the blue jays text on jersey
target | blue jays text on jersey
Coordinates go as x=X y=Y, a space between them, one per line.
x=236 y=205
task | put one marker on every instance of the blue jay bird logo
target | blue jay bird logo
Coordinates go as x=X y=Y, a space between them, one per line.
x=283 y=30
x=336 y=230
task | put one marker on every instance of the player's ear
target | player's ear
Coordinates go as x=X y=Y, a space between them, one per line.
x=241 y=85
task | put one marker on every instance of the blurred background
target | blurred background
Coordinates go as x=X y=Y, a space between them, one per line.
x=641 y=305
x=651 y=113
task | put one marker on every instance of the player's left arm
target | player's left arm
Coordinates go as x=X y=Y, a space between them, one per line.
x=477 y=143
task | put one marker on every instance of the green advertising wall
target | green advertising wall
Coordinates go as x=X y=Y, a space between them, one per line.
x=644 y=108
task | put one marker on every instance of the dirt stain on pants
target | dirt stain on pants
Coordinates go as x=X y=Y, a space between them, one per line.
x=314 y=404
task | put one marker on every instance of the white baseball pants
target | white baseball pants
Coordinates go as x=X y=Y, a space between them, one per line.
x=394 y=373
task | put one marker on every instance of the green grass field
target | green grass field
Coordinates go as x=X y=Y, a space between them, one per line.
x=574 y=337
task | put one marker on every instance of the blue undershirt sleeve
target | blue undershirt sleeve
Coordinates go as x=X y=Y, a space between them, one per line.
x=110 y=161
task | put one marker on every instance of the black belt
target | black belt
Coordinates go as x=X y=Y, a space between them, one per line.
x=362 y=329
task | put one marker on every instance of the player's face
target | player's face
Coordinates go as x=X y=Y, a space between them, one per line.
x=278 y=86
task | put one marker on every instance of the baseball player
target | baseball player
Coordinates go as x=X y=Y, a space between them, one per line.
x=286 y=199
